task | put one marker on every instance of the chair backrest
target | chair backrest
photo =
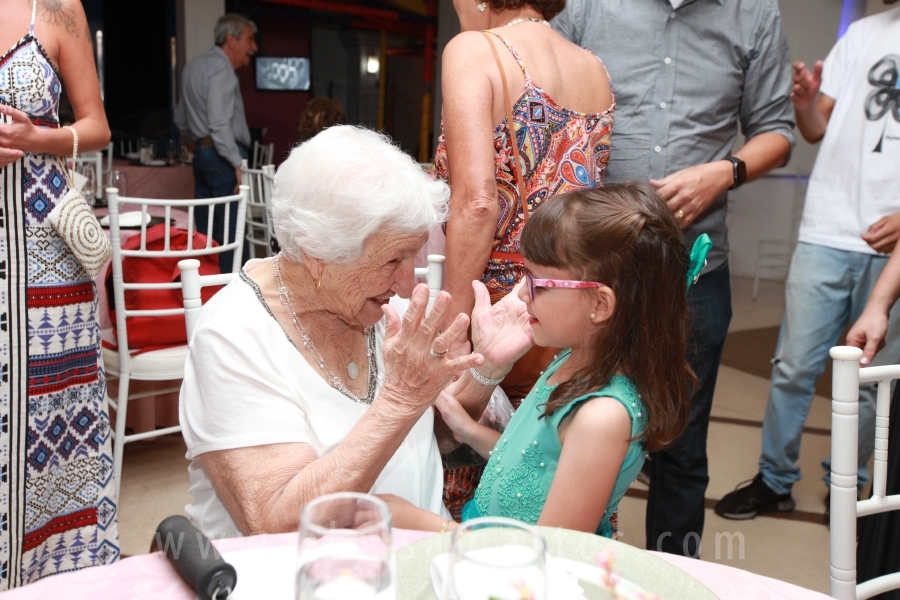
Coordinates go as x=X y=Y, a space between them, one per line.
x=261 y=155
x=142 y=252
x=191 y=284
x=845 y=508
x=258 y=226
x=433 y=274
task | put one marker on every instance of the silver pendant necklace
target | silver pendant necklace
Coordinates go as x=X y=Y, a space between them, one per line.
x=352 y=367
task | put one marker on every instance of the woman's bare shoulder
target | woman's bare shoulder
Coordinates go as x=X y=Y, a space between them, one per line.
x=65 y=16
x=466 y=46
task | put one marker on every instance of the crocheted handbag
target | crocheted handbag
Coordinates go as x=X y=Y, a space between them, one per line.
x=74 y=222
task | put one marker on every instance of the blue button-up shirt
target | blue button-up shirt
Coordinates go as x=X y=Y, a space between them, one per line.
x=211 y=104
x=684 y=79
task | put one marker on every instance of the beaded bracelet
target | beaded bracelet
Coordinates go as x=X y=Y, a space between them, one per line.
x=482 y=379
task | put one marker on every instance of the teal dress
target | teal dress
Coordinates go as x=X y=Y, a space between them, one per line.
x=522 y=465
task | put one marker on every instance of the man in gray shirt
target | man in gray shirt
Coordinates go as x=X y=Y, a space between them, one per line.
x=686 y=74
x=210 y=115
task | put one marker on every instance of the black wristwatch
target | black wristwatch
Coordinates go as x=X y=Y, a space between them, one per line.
x=740 y=171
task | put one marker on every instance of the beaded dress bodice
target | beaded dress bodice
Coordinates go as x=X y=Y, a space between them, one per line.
x=522 y=465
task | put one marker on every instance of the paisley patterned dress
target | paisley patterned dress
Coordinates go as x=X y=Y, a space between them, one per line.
x=561 y=150
x=57 y=499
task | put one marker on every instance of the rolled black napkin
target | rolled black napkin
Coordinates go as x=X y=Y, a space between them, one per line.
x=195 y=559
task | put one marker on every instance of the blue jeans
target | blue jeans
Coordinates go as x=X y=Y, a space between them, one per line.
x=679 y=474
x=825 y=289
x=214 y=177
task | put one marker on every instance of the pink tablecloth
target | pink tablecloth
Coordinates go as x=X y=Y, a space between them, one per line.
x=150 y=577
x=172 y=182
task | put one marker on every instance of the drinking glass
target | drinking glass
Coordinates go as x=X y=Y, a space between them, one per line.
x=184 y=155
x=151 y=152
x=171 y=150
x=89 y=190
x=496 y=558
x=346 y=549
x=118 y=180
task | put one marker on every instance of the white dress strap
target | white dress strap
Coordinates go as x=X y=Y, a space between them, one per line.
x=33 y=14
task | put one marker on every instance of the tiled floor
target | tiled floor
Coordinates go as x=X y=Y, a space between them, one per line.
x=155 y=480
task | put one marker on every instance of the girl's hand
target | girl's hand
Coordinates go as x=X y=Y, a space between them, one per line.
x=418 y=361
x=455 y=416
x=501 y=332
x=17 y=132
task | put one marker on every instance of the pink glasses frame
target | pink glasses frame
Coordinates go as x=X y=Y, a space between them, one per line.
x=557 y=283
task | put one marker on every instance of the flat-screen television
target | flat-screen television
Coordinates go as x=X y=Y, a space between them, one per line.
x=282 y=73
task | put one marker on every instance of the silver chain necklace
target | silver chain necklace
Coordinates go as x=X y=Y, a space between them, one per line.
x=334 y=380
x=524 y=19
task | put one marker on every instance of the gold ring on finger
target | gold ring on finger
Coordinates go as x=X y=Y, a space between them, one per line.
x=679 y=214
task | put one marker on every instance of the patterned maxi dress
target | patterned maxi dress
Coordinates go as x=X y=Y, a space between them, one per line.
x=57 y=500
x=562 y=151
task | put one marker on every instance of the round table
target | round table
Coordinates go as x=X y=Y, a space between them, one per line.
x=150 y=576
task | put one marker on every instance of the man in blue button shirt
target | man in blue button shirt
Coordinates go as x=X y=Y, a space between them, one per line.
x=687 y=74
x=211 y=116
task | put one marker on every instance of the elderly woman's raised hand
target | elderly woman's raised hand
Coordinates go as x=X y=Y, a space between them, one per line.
x=501 y=332
x=419 y=359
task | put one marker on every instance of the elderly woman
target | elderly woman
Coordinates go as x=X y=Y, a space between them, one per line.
x=302 y=378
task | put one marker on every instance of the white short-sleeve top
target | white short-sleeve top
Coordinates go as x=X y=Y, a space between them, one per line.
x=245 y=384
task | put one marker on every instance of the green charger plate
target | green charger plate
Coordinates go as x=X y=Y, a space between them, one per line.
x=651 y=573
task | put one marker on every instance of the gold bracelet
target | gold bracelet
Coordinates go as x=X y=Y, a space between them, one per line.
x=444 y=526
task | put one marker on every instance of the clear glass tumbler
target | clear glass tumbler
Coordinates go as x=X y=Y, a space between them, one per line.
x=117 y=179
x=89 y=190
x=493 y=558
x=346 y=549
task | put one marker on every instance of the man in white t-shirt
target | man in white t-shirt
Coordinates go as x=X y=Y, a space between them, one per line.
x=850 y=221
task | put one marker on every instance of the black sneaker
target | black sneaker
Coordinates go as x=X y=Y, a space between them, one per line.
x=747 y=502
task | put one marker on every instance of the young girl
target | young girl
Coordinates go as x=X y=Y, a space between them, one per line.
x=606 y=276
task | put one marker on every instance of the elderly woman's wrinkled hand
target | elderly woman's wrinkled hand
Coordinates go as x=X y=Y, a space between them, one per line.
x=501 y=333
x=419 y=359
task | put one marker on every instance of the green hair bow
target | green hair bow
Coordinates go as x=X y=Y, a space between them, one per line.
x=701 y=247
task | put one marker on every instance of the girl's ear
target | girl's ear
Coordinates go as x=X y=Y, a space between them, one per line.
x=603 y=306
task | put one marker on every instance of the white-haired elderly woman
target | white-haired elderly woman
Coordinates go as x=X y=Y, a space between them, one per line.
x=302 y=377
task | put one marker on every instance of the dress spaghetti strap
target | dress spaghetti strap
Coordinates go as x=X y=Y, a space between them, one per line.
x=512 y=51
x=33 y=14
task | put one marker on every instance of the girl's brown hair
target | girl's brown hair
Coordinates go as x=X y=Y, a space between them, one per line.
x=624 y=236
x=320 y=112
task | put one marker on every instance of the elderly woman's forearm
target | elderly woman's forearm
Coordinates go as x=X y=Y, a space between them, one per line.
x=264 y=488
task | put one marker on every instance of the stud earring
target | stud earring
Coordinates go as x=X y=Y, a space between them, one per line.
x=593 y=316
x=482 y=6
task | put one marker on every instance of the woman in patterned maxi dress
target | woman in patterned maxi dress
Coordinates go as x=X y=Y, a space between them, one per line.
x=57 y=499
x=562 y=122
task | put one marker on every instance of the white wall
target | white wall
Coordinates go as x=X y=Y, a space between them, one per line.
x=199 y=20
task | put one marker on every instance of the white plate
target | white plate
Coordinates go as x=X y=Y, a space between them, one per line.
x=132 y=155
x=651 y=573
x=158 y=162
x=127 y=219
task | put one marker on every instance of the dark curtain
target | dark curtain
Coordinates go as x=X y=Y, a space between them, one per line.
x=878 y=551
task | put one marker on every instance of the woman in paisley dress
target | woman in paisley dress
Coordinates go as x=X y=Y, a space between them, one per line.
x=57 y=500
x=562 y=109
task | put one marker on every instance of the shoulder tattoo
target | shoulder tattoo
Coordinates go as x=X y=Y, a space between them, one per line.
x=59 y=13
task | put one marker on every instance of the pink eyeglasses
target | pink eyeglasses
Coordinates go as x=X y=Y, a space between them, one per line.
x=557 y=283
